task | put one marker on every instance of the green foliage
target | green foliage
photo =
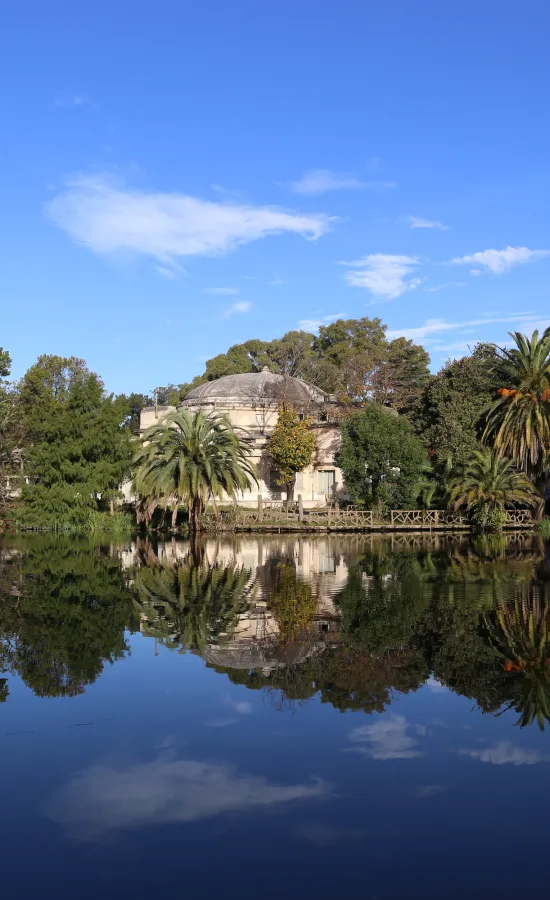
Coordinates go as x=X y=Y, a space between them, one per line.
x=350 y=357
x=543 y=528
x=186 y=606
x=291 y=445
x=132 y=405
x=5 y=363
x=190 y=458
x=65 y=608
x=380 y=615
x=381 y=458
x=488 y=517
x=292 y=602
x=450 y=416
x=519 y=421
x=487 y=485
x=78 y=451
x=11 y=434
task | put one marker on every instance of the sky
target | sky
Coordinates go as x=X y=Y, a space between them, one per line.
x=177 y=177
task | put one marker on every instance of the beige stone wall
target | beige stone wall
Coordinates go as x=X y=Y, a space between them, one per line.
x=318 y=483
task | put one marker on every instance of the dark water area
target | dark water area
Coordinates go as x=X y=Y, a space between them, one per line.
x=276 y=717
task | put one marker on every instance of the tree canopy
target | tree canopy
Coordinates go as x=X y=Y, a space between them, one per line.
x=77 y=449
x=291 y=446
x=381 y=458
x=351 y=358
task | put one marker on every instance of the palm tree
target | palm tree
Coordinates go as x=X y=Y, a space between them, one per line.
x=186 y=606
x=520 y=633
x=519 y=421
x=491 y=482
x=191 y=458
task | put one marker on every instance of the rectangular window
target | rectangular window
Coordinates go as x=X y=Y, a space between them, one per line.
x=299 y=485
x=326 y=482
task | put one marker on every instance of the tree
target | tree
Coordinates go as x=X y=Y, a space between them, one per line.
x=519 y=631
x=291 y=446
x=133 y=405
x=381 y=458
x=65 y=612
x=5 y=363
x=350 y=357
x=450 y=413
x=293 y=603
x=401 y=375
x=191 y=458
x=186 y=606
x=77 y=450
x=11 y=434
x=519 y=421
x=489 y=483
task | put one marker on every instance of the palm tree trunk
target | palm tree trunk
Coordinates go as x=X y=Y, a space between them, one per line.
x=175 y=516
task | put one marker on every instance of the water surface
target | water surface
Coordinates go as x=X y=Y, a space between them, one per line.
x=274 y=717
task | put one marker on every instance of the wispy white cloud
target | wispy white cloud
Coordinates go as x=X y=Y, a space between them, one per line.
x=227 y=192
x=319 y=181
x=417 y=222
x=241 y=306
x=109 y=217
x=499 y=261
x=276 y=281
x=221 y=290
x=170 y=274
x=383 y=275
x=314 y=324
x=445 y=286
x=389 y=738
x=506 y=753
x=433 y=327
x=106 y=798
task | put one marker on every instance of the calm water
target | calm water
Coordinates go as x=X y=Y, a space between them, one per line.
x=275 y=718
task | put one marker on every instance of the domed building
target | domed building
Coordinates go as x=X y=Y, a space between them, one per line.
x=251 y=403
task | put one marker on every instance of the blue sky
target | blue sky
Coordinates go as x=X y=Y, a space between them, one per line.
x=177 y=176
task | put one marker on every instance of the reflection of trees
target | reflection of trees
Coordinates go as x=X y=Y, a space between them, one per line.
x=346 y=678
x=64 y=611
x=381 y=602
x=519 y=632
x=185 y=605
x=292 y=602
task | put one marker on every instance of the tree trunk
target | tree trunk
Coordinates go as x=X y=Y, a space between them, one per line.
x=290 y=491
x=194 y=515
x=175 y=516
x=112 y=507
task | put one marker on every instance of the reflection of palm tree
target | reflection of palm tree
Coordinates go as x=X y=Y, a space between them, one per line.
x=520 y=633
x=186 y=606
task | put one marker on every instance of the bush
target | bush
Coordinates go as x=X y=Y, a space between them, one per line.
x=488 y=517
x=381 y=458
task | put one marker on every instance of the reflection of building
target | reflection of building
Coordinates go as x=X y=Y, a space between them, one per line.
x=251 y=403
x=255 y=642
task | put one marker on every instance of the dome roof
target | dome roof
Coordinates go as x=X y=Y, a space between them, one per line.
x=255 y=387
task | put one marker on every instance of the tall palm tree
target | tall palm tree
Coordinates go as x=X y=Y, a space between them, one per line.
x=186 y=606
x=491 y=481
x=518 y=423
x=520 y=633
x=191 y=458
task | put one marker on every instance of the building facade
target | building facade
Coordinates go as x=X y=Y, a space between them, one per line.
x=251 y=403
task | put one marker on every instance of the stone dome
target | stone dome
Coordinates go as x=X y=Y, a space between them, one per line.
x=254 y=388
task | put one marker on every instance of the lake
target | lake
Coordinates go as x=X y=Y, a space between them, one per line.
x=275 y=717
